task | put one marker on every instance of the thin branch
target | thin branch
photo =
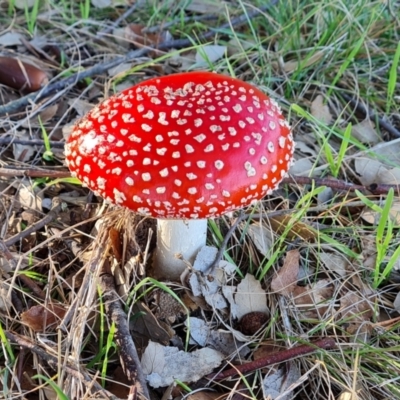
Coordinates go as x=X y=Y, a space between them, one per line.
x=276 y=358
x=34 y=173
x=126 y=347
x=30 y=142
x=50 y=216
x=340 y=185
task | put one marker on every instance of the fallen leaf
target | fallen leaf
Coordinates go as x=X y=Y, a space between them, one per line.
x=277 y=382
x=238 y=46
x=365 y=132
x=355 y=308
x=23 y=152
x=312 y=300
x=247 y=297
x=82 y=107
x=209 y=54
x=334 y=262
x=45 y=115
x=22 y=75
x=373 y=217
x=389 y=152
x=28 y=198
x=373 y=171
x=302 y=167
x=135 y=34
x=203 y=335
x=297 y=229
x=120 y=70
x=10 y=39
x=262 y=237
x=163 y=365
x=285 y=280
x=146 y=325
x=42 y=318
x=325 y=196
x=321 y=111
x=209 y=285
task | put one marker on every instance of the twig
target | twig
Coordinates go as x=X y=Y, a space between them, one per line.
x=375 y=188
x=35 y=97
x=276 y=357
x=53 y=362
x=372 y=115
x=174 y=22
x=34 y=173
x=126 y=348
x=51 y=215
x=30 y=142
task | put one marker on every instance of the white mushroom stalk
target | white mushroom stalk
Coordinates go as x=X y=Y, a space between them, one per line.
x=188 y=146
x=178 y=242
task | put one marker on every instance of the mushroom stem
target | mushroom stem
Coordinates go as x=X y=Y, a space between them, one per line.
x=177 y=241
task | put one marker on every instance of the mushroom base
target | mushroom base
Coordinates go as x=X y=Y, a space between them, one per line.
x=178 y=241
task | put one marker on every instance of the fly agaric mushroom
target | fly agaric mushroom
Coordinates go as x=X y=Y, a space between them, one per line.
x=182 y=148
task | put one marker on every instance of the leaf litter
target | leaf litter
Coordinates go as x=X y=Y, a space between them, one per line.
x=324 y=291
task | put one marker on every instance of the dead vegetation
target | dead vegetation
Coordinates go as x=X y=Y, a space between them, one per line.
x=303 y=302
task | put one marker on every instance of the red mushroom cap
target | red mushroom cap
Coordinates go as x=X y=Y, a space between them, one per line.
x=190 y=145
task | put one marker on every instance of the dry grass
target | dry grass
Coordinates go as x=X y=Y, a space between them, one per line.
x=333 y=66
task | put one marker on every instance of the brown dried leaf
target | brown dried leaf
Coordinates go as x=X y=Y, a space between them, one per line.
x=355 y=308
x=42 y=318
x=321 y=111
x=311 y=299
x=285 y=280
x=147 y=326
x=137 y=35
x=297 y=230
x=116 y=243
x=119 y=384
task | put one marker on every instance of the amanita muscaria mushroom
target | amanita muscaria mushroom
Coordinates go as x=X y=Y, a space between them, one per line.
x=182 y=148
